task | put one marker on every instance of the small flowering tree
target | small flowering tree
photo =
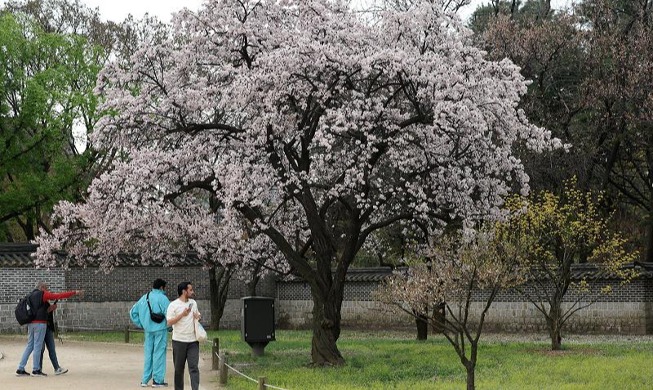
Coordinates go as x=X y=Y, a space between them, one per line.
x=452 y=273
x=554 y=233
x=309 y=126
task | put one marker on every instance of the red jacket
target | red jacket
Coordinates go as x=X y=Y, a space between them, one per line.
x=42 y=311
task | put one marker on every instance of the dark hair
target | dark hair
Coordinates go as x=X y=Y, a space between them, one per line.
x=182 y=286
x=158 y=284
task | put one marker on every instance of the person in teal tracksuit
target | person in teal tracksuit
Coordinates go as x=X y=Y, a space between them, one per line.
x=156 y=334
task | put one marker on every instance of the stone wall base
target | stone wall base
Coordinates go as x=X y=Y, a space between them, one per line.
x=602 y=317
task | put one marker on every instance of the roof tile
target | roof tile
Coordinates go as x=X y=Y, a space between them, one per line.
x=20 y=255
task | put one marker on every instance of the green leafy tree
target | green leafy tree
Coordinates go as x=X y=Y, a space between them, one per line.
x=52 y=53
x=46 y=109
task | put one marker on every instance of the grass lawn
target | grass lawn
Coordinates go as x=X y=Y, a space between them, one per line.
x=394 y=360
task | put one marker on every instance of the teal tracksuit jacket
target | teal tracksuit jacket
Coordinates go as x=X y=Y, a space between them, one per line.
x=156 y=335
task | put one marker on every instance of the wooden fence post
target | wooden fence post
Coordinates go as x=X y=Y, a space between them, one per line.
x=127 y=334
x=222 y=379
x=261 y=383
x=214 y=353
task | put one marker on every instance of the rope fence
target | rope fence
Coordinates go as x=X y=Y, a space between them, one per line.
x=222 y=377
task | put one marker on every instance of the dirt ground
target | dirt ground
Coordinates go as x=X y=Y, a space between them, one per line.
x=91 y=366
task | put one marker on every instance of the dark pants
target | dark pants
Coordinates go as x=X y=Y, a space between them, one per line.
x=49 y=343
x=182 y=352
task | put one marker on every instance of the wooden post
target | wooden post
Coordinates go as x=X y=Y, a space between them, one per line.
x=222 y=379
x=214 y=353
x=261 y=383
x=127 y=334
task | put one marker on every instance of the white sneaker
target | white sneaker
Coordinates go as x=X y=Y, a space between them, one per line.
x=144 y=385
x=60 y=371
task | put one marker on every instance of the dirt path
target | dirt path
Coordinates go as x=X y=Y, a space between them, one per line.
x=95 y=366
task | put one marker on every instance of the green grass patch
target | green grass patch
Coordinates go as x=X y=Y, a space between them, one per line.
x=394 y=360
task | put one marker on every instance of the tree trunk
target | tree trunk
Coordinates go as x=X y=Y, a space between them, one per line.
x=326 y=330
x=556 y=338
x=218 y=290
x=254 y=278
x=421 y=321
x=553 y=322
x=470 y=367
x=253 y=284
x=649 y=239
x=470 y=364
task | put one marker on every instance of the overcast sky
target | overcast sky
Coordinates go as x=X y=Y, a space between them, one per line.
x=117 y=10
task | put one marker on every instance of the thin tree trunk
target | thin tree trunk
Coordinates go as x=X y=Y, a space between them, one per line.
x=251 y=287
x=649 y=239
x=255 y=277
x=556 y=338
x=470 y=367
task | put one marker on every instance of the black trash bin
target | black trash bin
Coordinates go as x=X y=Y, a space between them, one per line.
x=257 y=322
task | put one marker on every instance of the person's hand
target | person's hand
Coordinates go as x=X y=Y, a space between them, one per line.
x=52 y=308
x=197 y=315
x=79 y=292
x=186 y=311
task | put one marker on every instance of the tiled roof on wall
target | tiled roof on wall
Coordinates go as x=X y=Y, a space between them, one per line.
x=592 y=272
x=578 y=272
x=373 y=274
x=20 y=255
x=188 y=260
x=368 y=274
x=16 y=255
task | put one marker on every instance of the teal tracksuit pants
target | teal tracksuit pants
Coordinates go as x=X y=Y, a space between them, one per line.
x=154 y=366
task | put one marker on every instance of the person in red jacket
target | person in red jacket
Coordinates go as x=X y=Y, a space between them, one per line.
x=37 y=328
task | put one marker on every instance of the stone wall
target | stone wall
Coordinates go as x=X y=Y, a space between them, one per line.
x=129 y=284
x=358 y=308
x=297 y=314
x=600 y=317
x=15 y=283
x=109 y=297
x=628 y=310
x=509 y=317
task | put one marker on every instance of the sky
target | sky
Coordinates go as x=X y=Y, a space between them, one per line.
x=117 y=10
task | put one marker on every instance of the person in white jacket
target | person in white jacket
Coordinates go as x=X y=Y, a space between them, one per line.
x=181 y=315
x=156 y=333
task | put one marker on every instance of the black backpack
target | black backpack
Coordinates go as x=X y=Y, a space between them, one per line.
x=26 y=310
